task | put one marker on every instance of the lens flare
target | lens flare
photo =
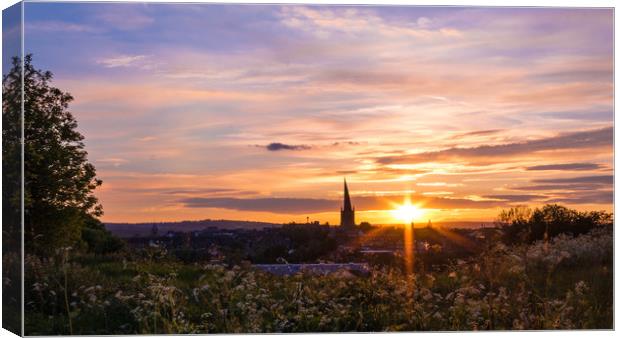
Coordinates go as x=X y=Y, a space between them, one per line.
x=407 y=212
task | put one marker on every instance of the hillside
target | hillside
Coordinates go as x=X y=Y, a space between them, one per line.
x=126 y=230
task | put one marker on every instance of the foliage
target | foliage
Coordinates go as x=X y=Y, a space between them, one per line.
x=296 y=243
x=11 y=201
x=521 y=224
x=59 y=180
x=595 y=247
x=505 y=287
x=11 y=157
x=98 y=239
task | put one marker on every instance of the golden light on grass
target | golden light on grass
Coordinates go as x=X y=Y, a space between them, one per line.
x=409 y=249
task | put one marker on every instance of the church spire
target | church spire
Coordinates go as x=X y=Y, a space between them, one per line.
x=347 y=213
x=347 y=199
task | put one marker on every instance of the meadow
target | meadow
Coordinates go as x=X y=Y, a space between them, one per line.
x=563 y=283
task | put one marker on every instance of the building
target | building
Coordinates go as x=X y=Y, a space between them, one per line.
x=347 y=212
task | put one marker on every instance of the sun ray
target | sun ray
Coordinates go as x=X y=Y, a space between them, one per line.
x=370 y=235
x=407 y=212
x=455 y=238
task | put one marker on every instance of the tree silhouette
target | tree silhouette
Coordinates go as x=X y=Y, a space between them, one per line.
x=523 y=225
x=59 y=180
x=12 y=257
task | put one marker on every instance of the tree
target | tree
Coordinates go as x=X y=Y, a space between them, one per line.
x=11 y=205
x=365 y=226
x=11 y=160
x=59 y=180
x=523 y=225
x=515 y=223
x=98 y=239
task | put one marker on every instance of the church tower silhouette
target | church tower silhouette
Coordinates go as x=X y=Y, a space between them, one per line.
x=347 y=212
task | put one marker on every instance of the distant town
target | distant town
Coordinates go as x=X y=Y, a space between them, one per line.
x=320 y=247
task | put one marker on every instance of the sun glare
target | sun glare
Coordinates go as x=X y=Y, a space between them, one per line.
x=407 y=212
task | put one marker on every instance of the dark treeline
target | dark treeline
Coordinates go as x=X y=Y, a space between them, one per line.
x=524 y=225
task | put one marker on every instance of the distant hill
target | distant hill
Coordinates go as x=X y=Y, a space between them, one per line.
x=140 y=229
x=454 y=224
x=126 y=230
x=464 y=224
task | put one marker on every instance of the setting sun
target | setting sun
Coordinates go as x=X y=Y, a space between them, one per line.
x=407 y=212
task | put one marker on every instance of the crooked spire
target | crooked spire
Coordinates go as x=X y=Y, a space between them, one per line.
x=347 y=198
x=347 y=213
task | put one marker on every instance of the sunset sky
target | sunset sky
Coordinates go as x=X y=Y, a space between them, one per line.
x=258 y=112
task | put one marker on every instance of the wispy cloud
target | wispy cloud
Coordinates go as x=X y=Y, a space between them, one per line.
x=478 y=133
x=575 y=140
x=566 y=166
x=276 y=146
x=306 y=205
x=602 y=179
x=115 y=162
x=125 y=17
x=554 y=188
x=516 y=198
x=121 y=61
x=599 y=197
x=275 y=205
x=325 y=22
x=185 y=191
x=60 y=26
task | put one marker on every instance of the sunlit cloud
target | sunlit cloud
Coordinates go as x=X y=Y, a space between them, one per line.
x=566 y=166
x=123 y=17
x=324 y=22
x=516 y=198
x=187 y=116
x=60 y=26
x=603 y=179
x=574 y=140
x=121 y=61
